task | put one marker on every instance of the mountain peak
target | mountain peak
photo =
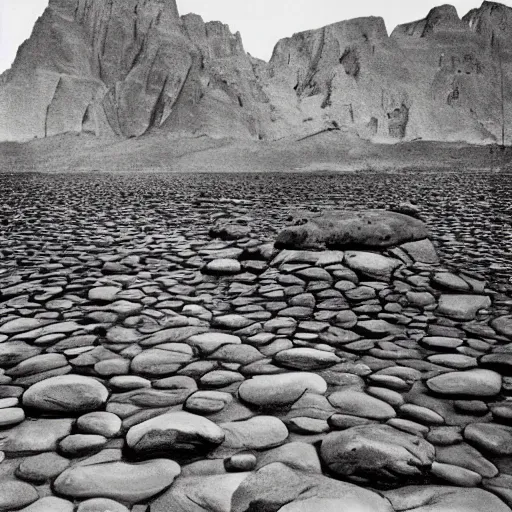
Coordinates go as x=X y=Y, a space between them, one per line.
x=125 y=68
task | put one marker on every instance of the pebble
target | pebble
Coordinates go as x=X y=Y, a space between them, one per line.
x=207 y=402
x=11 y=416
x=473 y=383
x=41 y=468
x=15 y=495
x=209 y=342
x=258 y=433
x=241 y=462
x=456 y=475
x=162 y=360
x=36 y=436
x=440 y=498
x=129 y=483
x=462 y=307
x=441 y=342
x=362 y=405
x=503 y=325
x=279 y=390
x=421 y=414
x=101 y=505
x=50 y=504
x=174 y=432
x=79 y=445
x=371 y=265
x=224 y=266
x=450 y=281
x=491 y=438
x=103 y=293
x=69 y=393
x=306 y=359
x=464 y=455
x=370 y=449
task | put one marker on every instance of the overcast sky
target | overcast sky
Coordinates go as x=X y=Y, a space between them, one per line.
x=261 y=22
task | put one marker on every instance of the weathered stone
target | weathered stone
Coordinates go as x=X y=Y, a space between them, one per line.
x=224 y=266
x=306 y=359
x=104 y=293
x=50 y=504
x=208 y=342
x=279 y=390
x=214 y=492
x=79 y=445
x=129 y=483
x=207 y=402
x=421 y=251
x=69 y=393
x=279 y=487
x=23 y=325
x=377 y=452
x=258 y=433
x=375 y=266
x=14 y=352
x=41 y=468
x=490 y=438
x=360 y=404
x=503 y=325
x=240 y=463
x=301 y=456
x=162 y=360
x=462 y=307
x=339 y=229
x=450 y=281
x=456 y=475
x=15 y=495
x=101 y=505
x=474 y=383
x=11 y=416
x=174 y=433
x=466 y=456
x=37 y=436
x=442 y=499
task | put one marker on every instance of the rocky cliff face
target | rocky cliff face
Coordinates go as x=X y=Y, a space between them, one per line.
x=437 y=78
x=130 y=67
x=126 y=67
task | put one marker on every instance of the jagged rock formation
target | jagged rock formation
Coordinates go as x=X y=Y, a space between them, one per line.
x=127 y=68
x=437 y=79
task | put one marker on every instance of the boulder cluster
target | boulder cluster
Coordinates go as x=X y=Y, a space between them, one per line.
x=342 y=368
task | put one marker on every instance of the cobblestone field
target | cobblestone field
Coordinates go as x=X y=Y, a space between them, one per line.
x=470 y=215
x=173 y=343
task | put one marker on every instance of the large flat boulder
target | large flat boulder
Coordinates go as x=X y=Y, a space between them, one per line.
x=371 y=229
x=279 y=487
x=129 y=483
x=66 y=393
x=280 y=390
x=174 y=433
x=377 y=453
x=444 y=499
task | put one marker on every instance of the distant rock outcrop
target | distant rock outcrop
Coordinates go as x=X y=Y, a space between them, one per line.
x=436 y=79
x=126 y=68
